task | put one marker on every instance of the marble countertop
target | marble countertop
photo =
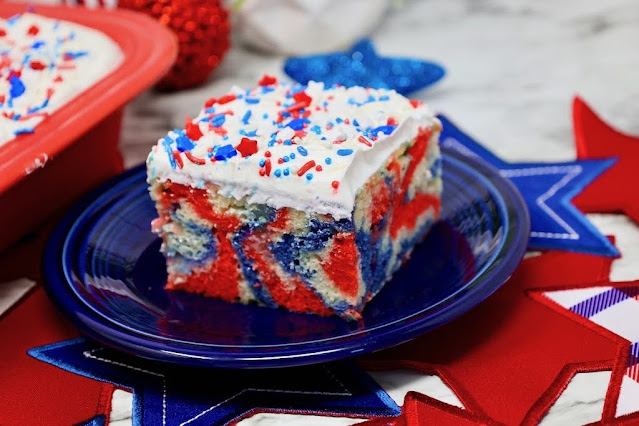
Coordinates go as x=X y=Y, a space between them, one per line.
x=513 y=69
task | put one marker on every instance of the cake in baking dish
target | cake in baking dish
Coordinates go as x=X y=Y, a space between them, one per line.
x=302 y=197
x=44 y=63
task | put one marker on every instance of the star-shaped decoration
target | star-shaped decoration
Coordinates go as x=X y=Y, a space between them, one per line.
x=615 y=307
x=32 y=390
x=170 y=395
x=420 y=409
x=362 y=66
x=547 y=189
x=512 y=356
x=615 y=190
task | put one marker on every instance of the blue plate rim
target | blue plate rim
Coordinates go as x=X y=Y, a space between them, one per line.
x=88 y=320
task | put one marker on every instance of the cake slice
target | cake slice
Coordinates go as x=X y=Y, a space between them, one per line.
x=302 y=197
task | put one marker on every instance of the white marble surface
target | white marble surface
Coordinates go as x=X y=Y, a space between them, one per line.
x=513 y=68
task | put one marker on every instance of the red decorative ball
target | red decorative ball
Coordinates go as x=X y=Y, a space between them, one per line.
x=203 y=33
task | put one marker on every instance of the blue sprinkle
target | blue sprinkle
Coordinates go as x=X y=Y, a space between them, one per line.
x=251 y=133
x=277 y=173
x=330 y=123
x=298 y=123
x=266 y=89
x=37 y=44
x=286 y=114
x=218 y=120
x=323 y=138
x=167 y=142
x=246 y=117
x=285 y=158
x=75 y=55
x=309 y=176
x=387 y=130
x=384 y=98
x=339 y=120
x=292 y=155
x=265 y=115
x=17 y=87
x=355 y=123
x=23 y=131
x=302 y=151
x=225 y=152
x=13 y=19
x=252 y=100
x=371 y=98
x=328 y=160
x=316 y=129
x=287 y=171
x=184 y=143
x=262 y=162
x=287 y=142
x=239 y=96
x=225 y=137
x=344 y=152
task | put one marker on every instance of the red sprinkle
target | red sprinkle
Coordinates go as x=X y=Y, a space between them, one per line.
x=210 y=103
x=306 y=167
x=247 y=147
x=335 y=184
x=33 y=30
x=415 y=103
x=280 y=161
x=226 y=99
x=178 y=159
x=194 y=159
x=2 y=32
x=365 y=141
x=267 y=167
x=318 y=168
x=193 y=130
x=37 y=65
x=391 y=121
x=267 y=80
x=267 y=154
x=58 y=79
x=302 y=97
x=339 y=141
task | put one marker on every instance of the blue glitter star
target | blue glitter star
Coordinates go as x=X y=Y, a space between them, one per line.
x=547 y=189
x=168 y=395
x=361 y=66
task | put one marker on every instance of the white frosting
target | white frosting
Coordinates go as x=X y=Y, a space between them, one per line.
x=31 y=40
x=359 y=110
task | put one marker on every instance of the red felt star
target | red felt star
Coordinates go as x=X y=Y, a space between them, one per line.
x=32 y=391
x=511 y=357
x=614 y=190
x=421 y=410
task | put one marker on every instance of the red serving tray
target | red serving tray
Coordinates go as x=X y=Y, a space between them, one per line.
x=76 y=148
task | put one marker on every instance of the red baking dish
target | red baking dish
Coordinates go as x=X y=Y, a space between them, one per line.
x=76 y=148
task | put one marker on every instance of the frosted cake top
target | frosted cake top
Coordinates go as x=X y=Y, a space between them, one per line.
x=44 y=63
x=290 y=145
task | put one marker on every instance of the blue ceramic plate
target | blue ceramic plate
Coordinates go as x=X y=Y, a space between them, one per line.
x=104 y=270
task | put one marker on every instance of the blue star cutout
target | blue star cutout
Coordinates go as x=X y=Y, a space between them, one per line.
x=164 y=394
x=547 y=189
x=361 y=66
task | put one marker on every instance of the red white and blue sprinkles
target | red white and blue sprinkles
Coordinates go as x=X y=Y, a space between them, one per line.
x=43 y=63
x=285 y=132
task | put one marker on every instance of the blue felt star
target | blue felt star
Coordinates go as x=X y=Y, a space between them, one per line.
x=170 y=395
x=361 y=66
x=547 y=189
